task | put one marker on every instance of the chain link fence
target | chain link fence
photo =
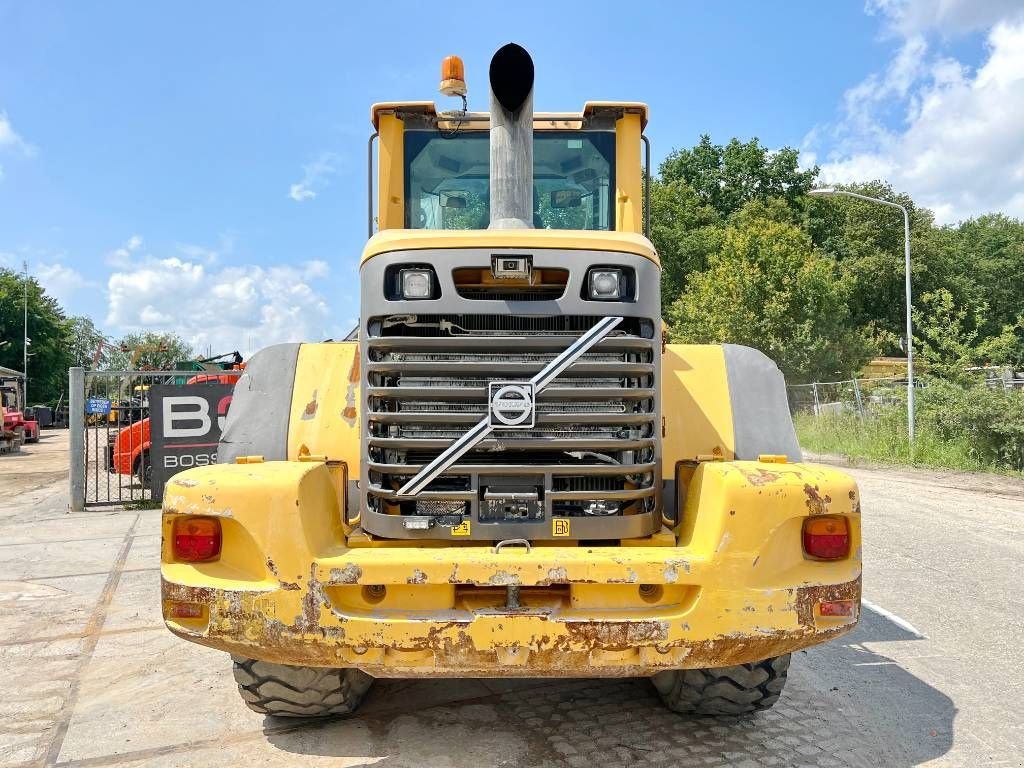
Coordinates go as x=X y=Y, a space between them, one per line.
x=110 y=440
x=857 y=396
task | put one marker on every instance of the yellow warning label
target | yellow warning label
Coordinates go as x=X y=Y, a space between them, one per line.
x=462 y=529
x=560 y=526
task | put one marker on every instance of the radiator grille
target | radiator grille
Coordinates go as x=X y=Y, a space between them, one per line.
x=592 y=449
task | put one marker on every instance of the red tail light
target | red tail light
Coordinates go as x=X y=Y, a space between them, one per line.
x=196 y=539
x=826 y=537
x=836 y=608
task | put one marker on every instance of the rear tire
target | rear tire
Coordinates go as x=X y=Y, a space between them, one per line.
x=738 y=690
x=144 y=470
x=287 y=691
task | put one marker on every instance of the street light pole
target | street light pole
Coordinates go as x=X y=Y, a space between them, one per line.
x=830 y=192
x=24 y=369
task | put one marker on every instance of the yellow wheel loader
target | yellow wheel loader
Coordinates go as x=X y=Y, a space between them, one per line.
x=508 y=471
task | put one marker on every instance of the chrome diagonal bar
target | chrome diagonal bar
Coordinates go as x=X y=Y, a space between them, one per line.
x=551 y=371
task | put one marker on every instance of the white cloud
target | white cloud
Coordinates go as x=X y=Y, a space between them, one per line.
x=59 y=280
x=315 y=177
x=958 y=147
x=234 y=307
x=951 y=17
x=10 y=139
x=122 y=255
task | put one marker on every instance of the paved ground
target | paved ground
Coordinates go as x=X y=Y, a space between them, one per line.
x=89 y=677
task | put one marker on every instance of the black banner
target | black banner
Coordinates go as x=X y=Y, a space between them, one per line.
x=185 y=426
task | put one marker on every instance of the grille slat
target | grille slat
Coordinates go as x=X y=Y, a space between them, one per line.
x=512 y=368
x=594 y=441
x=554 y=391
x=473 y=416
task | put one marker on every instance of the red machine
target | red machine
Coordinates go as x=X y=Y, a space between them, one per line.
x=17 y=430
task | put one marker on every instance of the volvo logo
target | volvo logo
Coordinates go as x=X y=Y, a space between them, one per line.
x=511 y=404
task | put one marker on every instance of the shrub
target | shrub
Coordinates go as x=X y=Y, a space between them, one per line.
x=960 y=427
x=992 y=420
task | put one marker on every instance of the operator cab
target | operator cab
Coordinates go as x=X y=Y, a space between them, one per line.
x=591 y=169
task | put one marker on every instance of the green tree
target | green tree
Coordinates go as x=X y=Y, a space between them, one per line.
x=700 y=188
x=86 y=343
x=727 y=177
x=685 y=231
x=989 y=255
x=949 y=337
x=866 y=241
x=149 y=351
x=48 y=331
x=768 y=288
x=1007 y=348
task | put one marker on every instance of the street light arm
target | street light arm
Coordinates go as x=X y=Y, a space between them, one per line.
x=845 y=193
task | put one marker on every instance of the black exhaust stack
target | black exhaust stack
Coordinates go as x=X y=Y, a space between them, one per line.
x=511 y=76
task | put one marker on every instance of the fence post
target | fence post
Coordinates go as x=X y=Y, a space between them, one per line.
x=856 y=397
x=817 y=406
x=76 y=425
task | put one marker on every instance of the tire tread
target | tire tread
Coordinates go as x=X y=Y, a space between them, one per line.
x=737 y=690
x=288 y=691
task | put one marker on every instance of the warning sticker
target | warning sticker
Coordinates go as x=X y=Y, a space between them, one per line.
x=462 y=529
x=560 y=526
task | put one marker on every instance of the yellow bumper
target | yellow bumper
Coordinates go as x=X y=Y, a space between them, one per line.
x=292 y=586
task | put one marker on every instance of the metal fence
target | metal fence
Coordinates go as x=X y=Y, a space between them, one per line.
x=857 y=396
x=109 y=424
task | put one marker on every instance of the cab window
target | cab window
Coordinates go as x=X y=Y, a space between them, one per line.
x=447 y=187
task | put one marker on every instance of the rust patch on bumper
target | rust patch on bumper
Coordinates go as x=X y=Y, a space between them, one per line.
x=808 y=597
x=350 y=574
x=816 y=503
x=243 y=623
x=615 y=635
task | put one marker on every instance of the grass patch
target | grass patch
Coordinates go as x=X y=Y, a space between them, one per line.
x=882 y=437
x=140 y=504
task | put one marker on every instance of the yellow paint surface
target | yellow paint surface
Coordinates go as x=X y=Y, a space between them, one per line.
x=735 y=587
x=324 y=419
x=628 y=175
x=695 y=403
x=390 y=169
x=571 y=239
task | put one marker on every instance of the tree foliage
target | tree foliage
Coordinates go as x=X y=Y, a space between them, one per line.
x=48 y=331
x=709 y=205
x=767 y=287
x=148 y=351
x=728 y=177
x=87 y=345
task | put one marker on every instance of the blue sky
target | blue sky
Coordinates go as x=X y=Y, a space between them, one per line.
x=201 y=168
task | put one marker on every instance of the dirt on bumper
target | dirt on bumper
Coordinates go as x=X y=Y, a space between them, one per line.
x=505 y=642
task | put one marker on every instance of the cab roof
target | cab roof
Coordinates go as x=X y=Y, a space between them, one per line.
x=553 y=119
x=389 y=240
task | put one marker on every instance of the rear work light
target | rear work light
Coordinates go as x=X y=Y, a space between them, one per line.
x=196 y=539
x=826 y=537
x=178 y=610
x=836 y=608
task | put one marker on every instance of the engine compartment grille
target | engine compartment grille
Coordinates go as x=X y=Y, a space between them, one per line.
x=591 y=454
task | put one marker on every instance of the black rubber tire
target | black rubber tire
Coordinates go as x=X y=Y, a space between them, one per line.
x=143 y=470
x=739 y=690
x=286 y=691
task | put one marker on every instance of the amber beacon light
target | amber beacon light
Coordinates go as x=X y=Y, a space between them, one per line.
x=453 y=77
